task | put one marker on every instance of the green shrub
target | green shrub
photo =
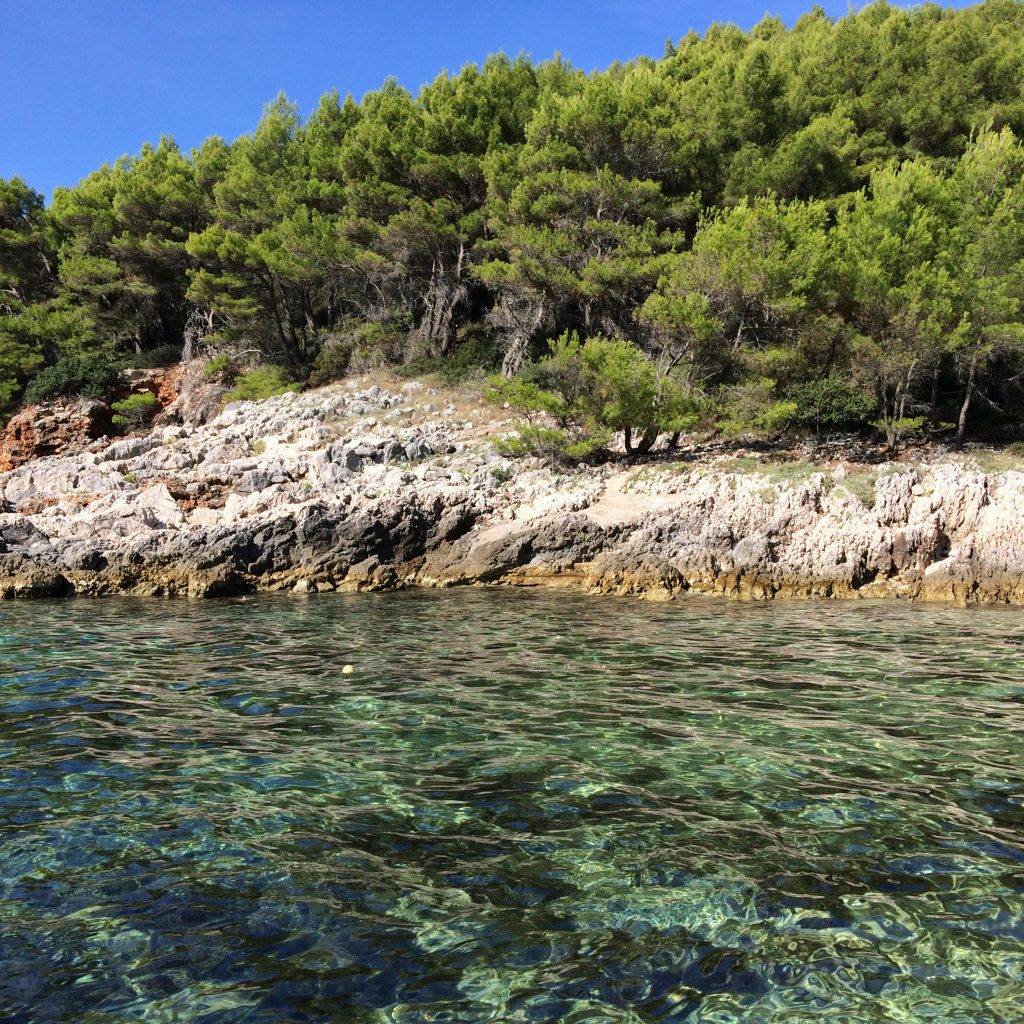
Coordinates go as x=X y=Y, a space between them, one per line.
x=262 y=382
x=524 y=394
x=219 y=365
x=832 y=403
x=753 y=408
x=378 y=342
x=896 y=431
x=595 y=389
x=356 y=345
x=82 y=376
x=551 y=443
x=474 y=358
x=135 y=410
x=332 y=362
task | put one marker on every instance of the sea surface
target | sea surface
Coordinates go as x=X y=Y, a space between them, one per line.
x=517 y=807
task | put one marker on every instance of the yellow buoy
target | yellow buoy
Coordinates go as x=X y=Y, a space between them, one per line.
x=347 y=670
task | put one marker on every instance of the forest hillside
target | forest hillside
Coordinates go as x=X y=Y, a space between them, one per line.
x=817 y=227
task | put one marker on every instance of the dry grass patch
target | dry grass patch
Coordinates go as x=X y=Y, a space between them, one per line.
x=789 y=473
x=991 y=460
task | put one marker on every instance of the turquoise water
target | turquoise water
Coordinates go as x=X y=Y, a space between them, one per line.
x=519 y=807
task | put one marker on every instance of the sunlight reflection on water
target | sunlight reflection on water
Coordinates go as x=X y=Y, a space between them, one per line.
x=519 y=807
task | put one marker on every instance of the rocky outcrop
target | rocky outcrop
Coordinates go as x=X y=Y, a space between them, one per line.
x=37 y=431
x=68 y=426
x=187 y=396
x=363 y=487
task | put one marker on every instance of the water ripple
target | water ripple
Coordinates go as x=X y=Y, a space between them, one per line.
x=520 y=807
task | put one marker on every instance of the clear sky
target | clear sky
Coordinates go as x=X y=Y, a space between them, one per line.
x=84 y=81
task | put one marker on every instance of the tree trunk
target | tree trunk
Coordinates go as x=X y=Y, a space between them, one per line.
x=891 y=436
x=278 y=323
x=961 y=424
x=889 y=416
x=518 y=319
x=627 y=437
x=650 y=435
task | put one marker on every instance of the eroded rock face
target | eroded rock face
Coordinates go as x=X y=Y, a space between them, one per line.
x=188 y=397
x=357 y=487
x=37 y=431
x=69 y=426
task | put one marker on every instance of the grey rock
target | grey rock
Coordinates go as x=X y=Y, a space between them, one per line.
x=283 y=493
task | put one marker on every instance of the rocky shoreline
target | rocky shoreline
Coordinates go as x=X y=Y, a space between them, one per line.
x=362 y=487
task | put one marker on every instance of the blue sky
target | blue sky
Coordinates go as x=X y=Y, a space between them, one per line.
x=84 y=81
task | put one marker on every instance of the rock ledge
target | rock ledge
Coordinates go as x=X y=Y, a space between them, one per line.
x=357 y=487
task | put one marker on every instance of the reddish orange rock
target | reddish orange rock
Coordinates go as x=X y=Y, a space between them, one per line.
x=40 y=430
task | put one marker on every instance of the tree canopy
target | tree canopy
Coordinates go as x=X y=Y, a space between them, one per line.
x=818 y=226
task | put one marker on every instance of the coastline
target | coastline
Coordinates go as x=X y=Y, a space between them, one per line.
x=362 y=487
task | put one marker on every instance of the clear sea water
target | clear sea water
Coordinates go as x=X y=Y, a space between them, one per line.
x=518 y=807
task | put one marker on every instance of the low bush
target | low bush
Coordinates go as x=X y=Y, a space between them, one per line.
x=831 y=404
x=595 y=389
x=899 y=430
x=219 y=365
x=261 y=382
x=135 y=411
x=332 y=362
x=475 y=358
x=753 y=408
x=154 y=358
x=551 y=443
x=359 y=345
x=80 y=376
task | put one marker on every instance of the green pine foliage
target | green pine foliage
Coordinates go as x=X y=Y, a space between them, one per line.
x=261 y=382
x=596 y=389
x=818 y=227
x=135 y=411
x=218 y=367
